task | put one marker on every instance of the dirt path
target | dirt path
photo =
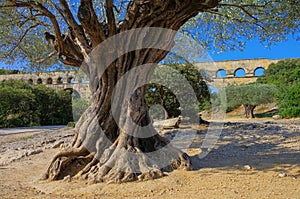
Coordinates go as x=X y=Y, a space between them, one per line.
x=250 y=160
x=11 y=134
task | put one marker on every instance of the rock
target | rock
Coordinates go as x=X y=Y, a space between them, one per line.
x=248 y=167
x=168 y=124
x=57 y=144
x=282 y=174
x=276 y=117
x=67 y=178
x=33 y=152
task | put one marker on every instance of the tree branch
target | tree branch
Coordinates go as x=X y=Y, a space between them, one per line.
x=77 y=30
x=89 y=21
x=234 y=19
x=39 y=61
x=21 y=39
x=110 y=17
x=242 y=7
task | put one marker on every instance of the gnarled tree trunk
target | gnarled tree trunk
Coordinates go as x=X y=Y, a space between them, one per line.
x=106 y=151
x=114 y=139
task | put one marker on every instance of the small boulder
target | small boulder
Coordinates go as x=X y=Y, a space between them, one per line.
x=248 y=167
x=282 y=174
x=57 y=144
x=276 y=117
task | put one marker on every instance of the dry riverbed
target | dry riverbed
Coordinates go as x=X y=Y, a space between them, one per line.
x=252 y=159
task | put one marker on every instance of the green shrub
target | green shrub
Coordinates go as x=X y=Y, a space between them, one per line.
x=285 y=75
x=71 y=124
x=23 y=104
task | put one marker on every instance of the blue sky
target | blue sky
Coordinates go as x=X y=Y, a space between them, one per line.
x=254 y=49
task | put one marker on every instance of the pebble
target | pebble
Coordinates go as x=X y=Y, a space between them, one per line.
x=57 y=144
x=282 y=174
x=247 y=167
x=67 y=178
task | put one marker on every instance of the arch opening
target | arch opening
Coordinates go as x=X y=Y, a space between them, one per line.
x=75 y=94
x=240 y=72
x=49 y=80
x=59 y=80
x=260 y=71
x=221 y=73
x=70 y=80
x=39 y=81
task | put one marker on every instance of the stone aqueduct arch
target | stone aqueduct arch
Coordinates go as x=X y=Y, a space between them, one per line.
x=250 y=66
x=66 y=80
x=69 y=80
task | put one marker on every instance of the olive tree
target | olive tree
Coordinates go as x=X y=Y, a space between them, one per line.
x=250 y=96
x=107 y=39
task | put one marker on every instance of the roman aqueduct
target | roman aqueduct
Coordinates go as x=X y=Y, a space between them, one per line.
x=221 y=74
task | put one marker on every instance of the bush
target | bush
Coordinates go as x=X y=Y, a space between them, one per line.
x=71 y=124
x=285 y=75
x=23 y=104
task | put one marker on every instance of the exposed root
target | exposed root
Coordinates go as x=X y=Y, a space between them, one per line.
x=61 y=160
x=127 y=159
x=125 y=164
x=117 y=164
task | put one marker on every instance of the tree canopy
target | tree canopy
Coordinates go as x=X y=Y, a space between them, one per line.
x=250 y=96
x=26 y=26
x=163 y=96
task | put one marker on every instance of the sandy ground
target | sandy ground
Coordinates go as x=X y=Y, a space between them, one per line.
x=252 y=159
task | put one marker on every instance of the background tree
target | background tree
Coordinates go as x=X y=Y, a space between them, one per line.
x=250 y=96
x=75 y=29
x=285 y=75
x=163 y=96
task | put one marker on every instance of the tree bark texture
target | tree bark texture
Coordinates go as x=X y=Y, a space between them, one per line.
x=121 y=145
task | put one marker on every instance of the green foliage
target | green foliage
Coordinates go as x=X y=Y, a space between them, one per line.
x=285 y=75
x=8 y=72
x=166 y=98
x=17 y=107
x=23 y=104
x=250 y=96
x=225 y=27
x=79 y=105
x=71 y=124
x=289 y=103
x=232 y=27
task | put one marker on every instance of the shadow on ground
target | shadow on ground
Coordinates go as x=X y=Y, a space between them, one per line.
x=264 y=146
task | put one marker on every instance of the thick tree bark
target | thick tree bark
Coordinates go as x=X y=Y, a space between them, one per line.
x=121 y=146
x=105 y=151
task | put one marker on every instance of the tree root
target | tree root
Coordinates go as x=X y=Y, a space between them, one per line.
x=61 y=160
x=122 y=161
